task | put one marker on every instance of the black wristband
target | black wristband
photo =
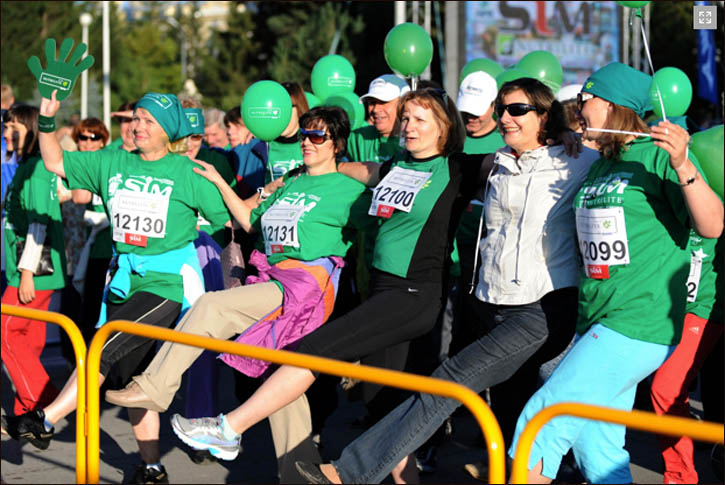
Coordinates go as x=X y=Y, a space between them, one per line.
x=46 y=124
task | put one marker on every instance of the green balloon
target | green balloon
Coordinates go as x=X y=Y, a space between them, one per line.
x=708 y=148
x=408 y=49
x=332 y=74
x=676 y=90
x=510 y=74
x=351 y=104
x=544 y=66
x=266 y=109
x=481 y=64
x=312 y=100
x=633 y=3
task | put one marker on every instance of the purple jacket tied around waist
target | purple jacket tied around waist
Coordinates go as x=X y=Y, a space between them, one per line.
x=310 y=288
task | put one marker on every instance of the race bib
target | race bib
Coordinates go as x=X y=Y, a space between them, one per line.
x=602 y=239
x=138 y=216
x=693 y=279
x=279 y=226
x=397 y=191
x=96 y=200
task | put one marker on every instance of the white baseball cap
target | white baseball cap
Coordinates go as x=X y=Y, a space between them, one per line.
x=568 y=92
x=386 y=88
x=477 y=92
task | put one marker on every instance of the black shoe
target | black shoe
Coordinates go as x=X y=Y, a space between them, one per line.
x=30 y=426
x=311 y=472
x=426 y=460
x=203 y=457
x=150 y=475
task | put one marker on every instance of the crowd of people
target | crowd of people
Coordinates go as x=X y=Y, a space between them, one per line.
x=500 y=240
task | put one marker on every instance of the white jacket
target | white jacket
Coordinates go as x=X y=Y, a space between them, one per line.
x=531 y=247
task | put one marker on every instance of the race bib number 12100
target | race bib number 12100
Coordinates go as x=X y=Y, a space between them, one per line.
x=397 y=190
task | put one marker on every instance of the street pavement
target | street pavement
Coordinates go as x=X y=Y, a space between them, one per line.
x=22 y=463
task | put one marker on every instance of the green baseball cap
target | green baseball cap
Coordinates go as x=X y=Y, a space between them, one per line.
x=623 y=85
x=196 y=120
x=167 y=110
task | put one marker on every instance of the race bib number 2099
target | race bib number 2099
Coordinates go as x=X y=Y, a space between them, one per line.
x=602 y=238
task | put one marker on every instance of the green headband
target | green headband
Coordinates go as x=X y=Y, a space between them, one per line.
x=623 y=85
x=196 y=120
x=167 y=111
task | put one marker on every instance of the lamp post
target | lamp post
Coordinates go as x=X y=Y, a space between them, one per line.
x=172 y=21
x=85 y=20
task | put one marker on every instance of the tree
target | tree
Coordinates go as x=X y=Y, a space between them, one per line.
x=305 y=32
x=228 y=66
x=26 y=26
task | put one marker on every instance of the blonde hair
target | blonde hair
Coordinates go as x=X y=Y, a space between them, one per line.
x=179 y=146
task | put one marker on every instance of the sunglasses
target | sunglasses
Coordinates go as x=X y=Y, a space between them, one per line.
x=93 y=137
x=582 y=98
x=317 y=137
x=515 y=109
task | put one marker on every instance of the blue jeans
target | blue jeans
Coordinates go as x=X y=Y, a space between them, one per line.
x=518 y=331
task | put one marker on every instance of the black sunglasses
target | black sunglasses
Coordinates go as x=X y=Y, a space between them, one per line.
x=93 y=137
x=582 y=98
x=317 y=137
x=515 y=109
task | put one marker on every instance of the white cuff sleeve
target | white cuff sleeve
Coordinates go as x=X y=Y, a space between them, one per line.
x=33 y=247
x=96 y=219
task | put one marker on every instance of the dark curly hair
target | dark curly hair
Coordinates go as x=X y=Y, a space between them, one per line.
x=336 y=121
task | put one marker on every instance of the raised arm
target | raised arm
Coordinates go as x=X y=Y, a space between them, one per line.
x=704 y=206
x=240 y=209
x=50 y=149
x=367 y=173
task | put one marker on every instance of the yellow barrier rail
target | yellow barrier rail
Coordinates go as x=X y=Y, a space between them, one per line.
x=645 y=421
x=79 y=348
x=466 y=396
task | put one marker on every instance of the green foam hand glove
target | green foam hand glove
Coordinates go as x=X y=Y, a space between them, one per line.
x=59 y=74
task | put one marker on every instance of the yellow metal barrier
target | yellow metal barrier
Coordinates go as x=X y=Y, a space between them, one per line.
x=470 y=399
x=641 y=420
x=79 y=347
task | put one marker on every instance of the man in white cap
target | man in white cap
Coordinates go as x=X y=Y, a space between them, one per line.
x=475 y=102
x=379 y=141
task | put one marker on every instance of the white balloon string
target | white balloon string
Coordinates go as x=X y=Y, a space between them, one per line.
x=606 y=130
x=413 y=83
x=651 y=67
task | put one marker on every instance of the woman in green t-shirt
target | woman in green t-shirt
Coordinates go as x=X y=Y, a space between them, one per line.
x=35 y=259
x=633 y=216
x=303 y=222
x=153 y=200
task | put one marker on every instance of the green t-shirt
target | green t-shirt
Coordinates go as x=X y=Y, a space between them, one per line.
x=115 y=144
x=644 y=299
x=330 y=203
x=153 y=206
x=366 y=145
x=399 y=236
x=701 y=285
x=32 y=197
x=221 y=164
x=468 y=227
x=282 y=158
